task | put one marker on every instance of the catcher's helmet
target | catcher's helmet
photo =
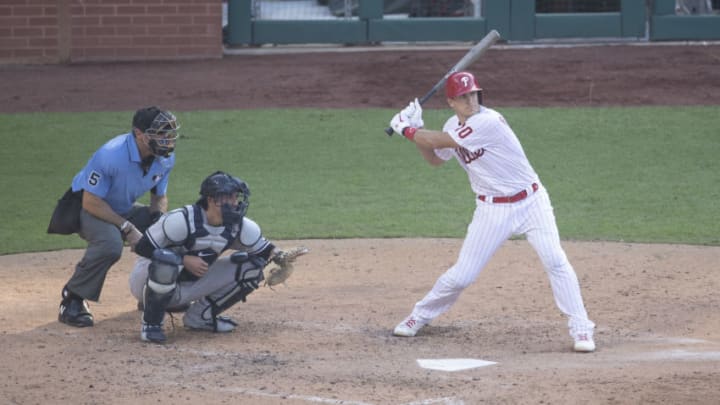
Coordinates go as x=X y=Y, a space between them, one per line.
x=161 y=126
x=221 y=184
x=460 y=83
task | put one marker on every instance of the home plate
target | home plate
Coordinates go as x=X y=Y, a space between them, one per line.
x=453 y=364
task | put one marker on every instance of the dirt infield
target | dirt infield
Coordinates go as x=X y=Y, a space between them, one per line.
x=326 y=337
x=582 y=76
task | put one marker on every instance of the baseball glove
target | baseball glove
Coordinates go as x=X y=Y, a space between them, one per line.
x=285 y=261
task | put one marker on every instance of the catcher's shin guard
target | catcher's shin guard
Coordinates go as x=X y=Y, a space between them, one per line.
x=160 y=286
x=220 y=304
x=154 y=306
x=248 y=275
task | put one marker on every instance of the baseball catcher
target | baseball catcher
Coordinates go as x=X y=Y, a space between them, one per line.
x=180 y=268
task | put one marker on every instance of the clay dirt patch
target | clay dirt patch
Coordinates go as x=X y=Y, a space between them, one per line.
x=326 y=337
x=582 y=76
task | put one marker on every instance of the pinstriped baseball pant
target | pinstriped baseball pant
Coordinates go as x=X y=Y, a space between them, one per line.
x=491 y=226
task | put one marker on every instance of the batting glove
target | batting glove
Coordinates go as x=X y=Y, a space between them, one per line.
x=401 y=125
x=415 y=118
x=409 y=110
x=413 y=114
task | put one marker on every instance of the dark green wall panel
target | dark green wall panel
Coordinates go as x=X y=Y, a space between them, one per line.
x=685 y=27
x=240 y=30
x=664 y=7
x=522 y=20
x=633 y=17
x=497 y=15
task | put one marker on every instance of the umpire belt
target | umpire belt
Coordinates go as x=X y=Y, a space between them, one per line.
x=512 y=198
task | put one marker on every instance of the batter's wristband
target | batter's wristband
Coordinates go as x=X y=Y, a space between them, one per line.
x=409 y=133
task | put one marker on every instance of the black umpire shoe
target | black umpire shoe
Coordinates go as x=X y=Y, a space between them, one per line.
x=74 y=311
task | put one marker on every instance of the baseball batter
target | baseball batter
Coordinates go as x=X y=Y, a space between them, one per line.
x=510 y=200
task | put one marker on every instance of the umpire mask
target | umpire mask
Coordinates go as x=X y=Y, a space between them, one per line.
x=163 y=134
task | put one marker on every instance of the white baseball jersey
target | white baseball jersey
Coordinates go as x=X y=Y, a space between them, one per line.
x=511 y=201
x=490 y=153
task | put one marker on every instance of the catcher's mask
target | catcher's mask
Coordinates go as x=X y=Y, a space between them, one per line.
x=460 y=83
x=160 y=126
x=221 y=186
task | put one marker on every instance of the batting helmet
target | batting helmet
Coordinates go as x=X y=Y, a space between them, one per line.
x=161 y=126
x=460 y=83
x=221 y=184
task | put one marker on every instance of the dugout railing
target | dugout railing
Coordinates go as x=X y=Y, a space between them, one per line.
x=516 y=20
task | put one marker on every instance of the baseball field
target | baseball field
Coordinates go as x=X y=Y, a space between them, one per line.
x=624 y=137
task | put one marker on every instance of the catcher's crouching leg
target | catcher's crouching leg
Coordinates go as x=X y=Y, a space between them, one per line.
x=205 y=313
x=158 y=291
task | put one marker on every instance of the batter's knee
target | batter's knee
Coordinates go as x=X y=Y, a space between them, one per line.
x=555 y=261
x=559 y=268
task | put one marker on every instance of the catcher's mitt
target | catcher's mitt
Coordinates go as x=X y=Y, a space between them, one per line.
x=285 y=261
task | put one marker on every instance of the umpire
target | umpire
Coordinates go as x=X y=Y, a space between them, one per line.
x=115 y=177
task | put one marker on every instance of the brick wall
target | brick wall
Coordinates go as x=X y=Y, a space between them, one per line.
x=76 y=31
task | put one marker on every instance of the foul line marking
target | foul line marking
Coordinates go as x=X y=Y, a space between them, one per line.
x=446 y=401
x=312 y=398
x=249 y=391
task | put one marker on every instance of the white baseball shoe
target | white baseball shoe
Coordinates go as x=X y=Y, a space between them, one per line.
x=409 y=327
x=584 y=343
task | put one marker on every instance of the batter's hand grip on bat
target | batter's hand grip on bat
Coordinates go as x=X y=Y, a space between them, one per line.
x=471 y=56
x=389 y=131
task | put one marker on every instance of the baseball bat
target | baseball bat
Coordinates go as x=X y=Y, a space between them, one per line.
x=468 y=59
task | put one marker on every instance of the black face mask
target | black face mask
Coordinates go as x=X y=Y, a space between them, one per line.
x=159 y=150
x=163 y=132
x=233 y=215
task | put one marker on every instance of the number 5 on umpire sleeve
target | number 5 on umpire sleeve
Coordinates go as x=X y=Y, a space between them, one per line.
x=94 y=178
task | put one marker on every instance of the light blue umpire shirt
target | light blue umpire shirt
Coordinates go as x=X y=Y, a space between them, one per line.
x=114 y=173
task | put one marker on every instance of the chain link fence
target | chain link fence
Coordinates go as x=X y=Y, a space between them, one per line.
x=682 y=7
x=693 y=7
x=577 y=6
x=348 y=9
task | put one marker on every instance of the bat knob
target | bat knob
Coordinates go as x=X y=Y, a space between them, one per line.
x=389 y=131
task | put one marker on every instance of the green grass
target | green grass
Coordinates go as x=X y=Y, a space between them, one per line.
x=632 y=174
